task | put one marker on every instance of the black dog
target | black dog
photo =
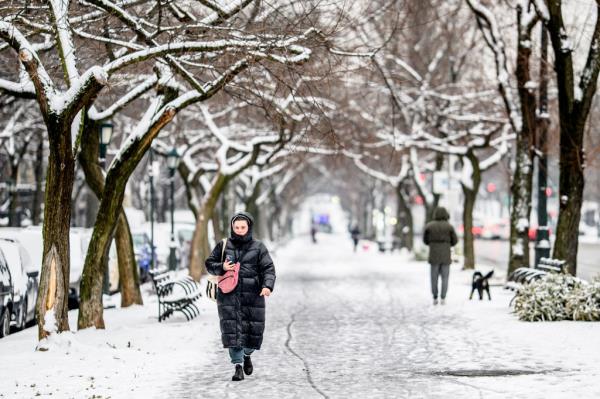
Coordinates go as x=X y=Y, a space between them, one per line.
x=480 y=283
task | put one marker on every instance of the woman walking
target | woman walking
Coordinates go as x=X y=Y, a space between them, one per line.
x=242 y=311
x=439 y=235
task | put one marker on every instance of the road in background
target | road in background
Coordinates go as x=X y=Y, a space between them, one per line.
x=495 y=253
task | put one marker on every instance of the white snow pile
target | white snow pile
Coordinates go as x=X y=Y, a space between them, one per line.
x=558 y=297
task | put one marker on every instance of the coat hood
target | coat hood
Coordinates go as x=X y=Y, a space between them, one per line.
x=242 y=216
x=441 y=213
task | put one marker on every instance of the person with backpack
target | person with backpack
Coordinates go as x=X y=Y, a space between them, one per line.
x=242 y=310
x=440 y=236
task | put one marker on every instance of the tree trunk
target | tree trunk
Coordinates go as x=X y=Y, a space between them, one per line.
x=128 y=268
x=129 y=278
x=39 y=179
x=571 y=184
x=274 y=217
x=191 y=190
x=404 y=227
x=91 y=208
x=227 y=208
x=200 y=248
x=216 y=223
x=54 y=279
x=470 y=194
x=575 y=100
x=96 y=260
x=430 y=205
x=522 y=178
x=90 y=309
x=253 y=209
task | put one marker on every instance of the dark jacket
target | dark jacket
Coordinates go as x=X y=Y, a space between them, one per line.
x=242 y=311
x=440 y=236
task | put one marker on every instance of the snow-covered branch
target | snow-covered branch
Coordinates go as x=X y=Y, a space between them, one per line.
x=491 y=32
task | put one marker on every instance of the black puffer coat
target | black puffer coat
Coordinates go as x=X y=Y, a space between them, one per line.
x=242 y=311
x=440 y=236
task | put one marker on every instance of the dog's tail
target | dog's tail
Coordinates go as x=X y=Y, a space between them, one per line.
x=490 y=274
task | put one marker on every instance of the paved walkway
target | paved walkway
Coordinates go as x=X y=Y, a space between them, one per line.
x=344 y=325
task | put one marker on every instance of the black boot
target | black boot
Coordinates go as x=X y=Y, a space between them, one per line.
x=248 y=365
x=239 y=373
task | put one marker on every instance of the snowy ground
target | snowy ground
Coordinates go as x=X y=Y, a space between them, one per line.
x=339 y=325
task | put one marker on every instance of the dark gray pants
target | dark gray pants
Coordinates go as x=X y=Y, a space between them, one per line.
x=436 y=271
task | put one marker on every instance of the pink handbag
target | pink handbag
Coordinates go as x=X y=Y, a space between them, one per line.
x=229 y=280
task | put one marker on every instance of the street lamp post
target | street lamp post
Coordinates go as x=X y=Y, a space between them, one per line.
x=151 y=176
x=106 y=131
x=542 y=239
x=172 y=161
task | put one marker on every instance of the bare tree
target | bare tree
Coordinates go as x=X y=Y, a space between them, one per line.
x=574 y=104
x=521 y=113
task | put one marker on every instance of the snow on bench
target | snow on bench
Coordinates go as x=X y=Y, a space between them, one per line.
x=175 y=295
x=525 y=275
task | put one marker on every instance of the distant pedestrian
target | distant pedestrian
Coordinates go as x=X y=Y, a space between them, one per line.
x=439 y=235
x=242 y=311
x=313 y=233
x=355 y=234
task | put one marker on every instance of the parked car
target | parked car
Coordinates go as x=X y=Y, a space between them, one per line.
x=31 y=238
x=24 y=281
x=184 y=232
x=476 y=229
x=496 y=230
x=6 y=297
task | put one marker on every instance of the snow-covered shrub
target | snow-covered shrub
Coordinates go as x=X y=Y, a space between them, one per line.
x=546 y=299
x=584 y=303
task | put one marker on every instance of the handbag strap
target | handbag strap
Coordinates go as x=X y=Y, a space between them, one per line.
x=223 y=250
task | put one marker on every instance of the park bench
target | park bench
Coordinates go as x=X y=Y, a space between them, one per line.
x=525 y=275
x=175 y=294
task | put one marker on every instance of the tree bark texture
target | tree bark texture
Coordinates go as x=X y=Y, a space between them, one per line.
x=470 y=194
x=53 y=289
x=404 y=227
x=129 y=277
x=522 y=177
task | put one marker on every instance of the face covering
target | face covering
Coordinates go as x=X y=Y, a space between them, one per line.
x=237 y=239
